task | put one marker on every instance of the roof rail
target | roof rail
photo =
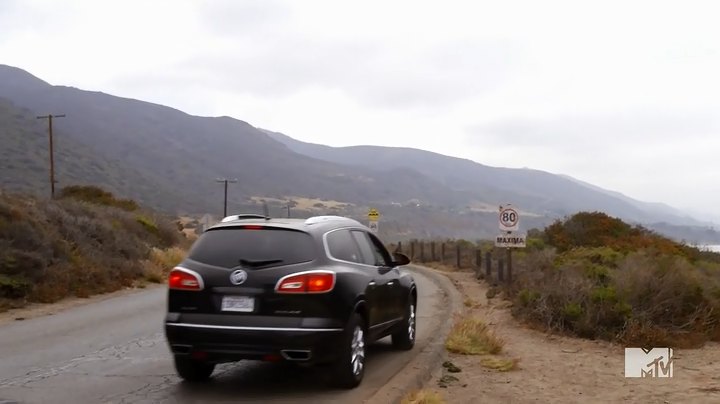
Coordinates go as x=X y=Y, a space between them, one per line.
x=327 y=218
x=243 y=216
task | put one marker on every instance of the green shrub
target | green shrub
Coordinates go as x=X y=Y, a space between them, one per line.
x=527 y=297
x=598 y=273
x=572 y=311
x=643 y=298
x=535 y=243
x=14 y=287
x=96 y=195
x=148 y=224
x=51 y=249
x=603 y=294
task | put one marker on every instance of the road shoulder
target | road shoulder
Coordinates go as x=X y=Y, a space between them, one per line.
x=421 y=368
x=563 y=369
x=35 y=310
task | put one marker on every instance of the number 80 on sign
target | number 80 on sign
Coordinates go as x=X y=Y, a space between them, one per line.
x=508 y=218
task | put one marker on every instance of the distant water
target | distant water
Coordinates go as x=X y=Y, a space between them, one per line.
x=711 y=247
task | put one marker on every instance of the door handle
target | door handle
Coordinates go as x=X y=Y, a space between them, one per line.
x=391 y=283
x=372 y=283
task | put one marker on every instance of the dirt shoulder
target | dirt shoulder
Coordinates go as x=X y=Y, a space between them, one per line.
x=35 y=310
x=561 y=369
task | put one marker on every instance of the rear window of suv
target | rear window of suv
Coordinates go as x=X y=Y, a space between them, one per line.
x=232 y=247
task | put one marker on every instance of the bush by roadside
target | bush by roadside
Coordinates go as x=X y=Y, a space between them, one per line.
x=423 y=396
x=51 y=249
x=602 y=278
x=595 y=276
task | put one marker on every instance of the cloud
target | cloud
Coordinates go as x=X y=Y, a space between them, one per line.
x=653 y=155
x=620 y=94
x=229 y=18
x=625 y=129
x=376 y=74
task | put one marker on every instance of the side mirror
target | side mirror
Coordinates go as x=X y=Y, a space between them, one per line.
x=400 y=259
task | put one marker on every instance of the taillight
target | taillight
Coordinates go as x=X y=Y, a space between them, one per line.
x=307 y=282
x=185 y=279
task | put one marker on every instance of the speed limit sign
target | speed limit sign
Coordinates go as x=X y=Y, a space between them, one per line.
x=508 y=218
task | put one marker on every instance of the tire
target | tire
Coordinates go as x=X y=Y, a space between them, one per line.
x=193 y=370
x=404 y=337
x=349 y=369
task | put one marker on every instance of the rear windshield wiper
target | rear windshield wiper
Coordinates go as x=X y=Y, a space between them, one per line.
x=259 y=263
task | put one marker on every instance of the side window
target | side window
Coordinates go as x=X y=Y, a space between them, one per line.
x=366 y=248
x=381 y=254
x=342 y=246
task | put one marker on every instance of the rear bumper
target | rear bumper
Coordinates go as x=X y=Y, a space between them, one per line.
x=228 y=343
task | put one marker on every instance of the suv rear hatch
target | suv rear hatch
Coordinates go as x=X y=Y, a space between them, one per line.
x=240 y=267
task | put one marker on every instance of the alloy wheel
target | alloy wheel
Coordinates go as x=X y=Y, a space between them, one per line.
x=357 y=348
x=411 y=323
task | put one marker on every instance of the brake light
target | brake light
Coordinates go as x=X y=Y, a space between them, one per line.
x=185 y=279
x=307 y=282
x=253 y=227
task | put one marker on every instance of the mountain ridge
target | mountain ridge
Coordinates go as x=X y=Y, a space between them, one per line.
x=179 y=156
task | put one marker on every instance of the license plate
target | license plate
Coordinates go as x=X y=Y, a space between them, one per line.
x=238 y=303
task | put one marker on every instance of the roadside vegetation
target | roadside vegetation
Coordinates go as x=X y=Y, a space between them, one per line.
x=83 y=243
x=597 y=277
x=471 y=336
x=424 y=396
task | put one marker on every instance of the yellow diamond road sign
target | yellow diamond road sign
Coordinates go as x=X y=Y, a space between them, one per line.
x=373 y=214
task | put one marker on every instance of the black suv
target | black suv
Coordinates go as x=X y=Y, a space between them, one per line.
x=314 y=291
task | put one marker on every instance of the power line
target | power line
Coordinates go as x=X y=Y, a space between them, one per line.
x=226 y=181
x=50 y=117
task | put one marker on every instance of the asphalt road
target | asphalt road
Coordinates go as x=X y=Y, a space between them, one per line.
x=114 y=351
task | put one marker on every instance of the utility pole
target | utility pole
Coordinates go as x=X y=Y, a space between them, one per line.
x=226 y=181
x=50 y=117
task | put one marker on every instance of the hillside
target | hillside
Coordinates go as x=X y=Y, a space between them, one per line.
x=170 y=160
x=189 y=152
x=536 y=191
x=83 y=243
x=24 y=164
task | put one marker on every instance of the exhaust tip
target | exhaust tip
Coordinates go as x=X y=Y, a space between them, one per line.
x=181 y=349
x=296 y=354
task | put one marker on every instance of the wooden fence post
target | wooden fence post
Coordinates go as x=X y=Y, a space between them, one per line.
x=422 y=251
x=509 y=265
x=501 y=270
x=442 y=252
x=412 y=249
x=488 y=265
x=432 y=251
x=399 y=247
x=457 y=255
x=478 y=263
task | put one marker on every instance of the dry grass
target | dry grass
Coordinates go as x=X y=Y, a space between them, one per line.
x=52 y=249
x=641 y=298
x=503 y=365
x=423 y=396
x=161 y=262
x=471 y=336
x=167 y=258
x=469 y=302
x=441 y=267
x=302 y=203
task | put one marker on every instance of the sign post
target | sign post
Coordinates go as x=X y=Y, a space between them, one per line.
x=509 y=222
x=373 y=219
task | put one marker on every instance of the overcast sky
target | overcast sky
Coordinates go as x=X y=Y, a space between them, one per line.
x=624 y=95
